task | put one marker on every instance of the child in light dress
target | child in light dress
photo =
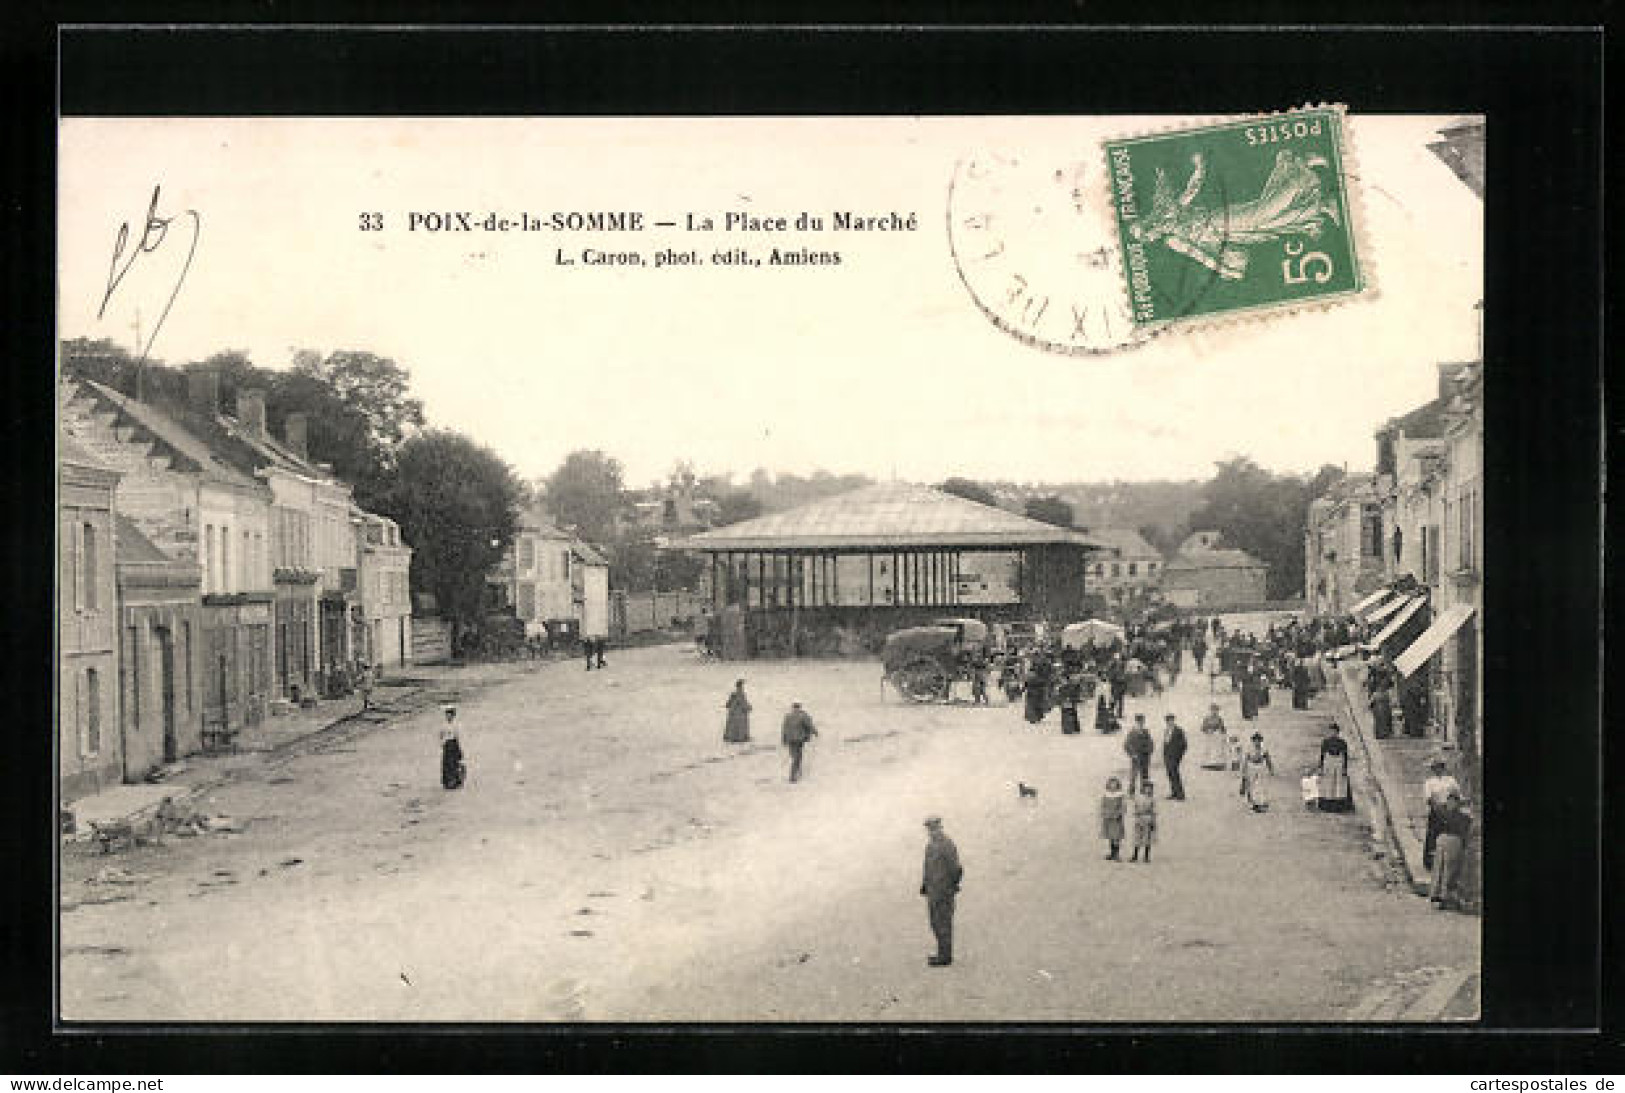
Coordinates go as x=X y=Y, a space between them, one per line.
x=1112 y=806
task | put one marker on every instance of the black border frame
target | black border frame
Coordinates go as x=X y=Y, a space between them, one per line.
x=1541 y=90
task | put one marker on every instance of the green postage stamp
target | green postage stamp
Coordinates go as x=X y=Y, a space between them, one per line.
x=1234 y=217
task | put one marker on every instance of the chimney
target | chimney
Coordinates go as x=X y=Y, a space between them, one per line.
x=203 y=390
x=293 y=429
x=251 y=412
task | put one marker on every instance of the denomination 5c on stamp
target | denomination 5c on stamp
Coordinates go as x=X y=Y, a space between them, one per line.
x=1235 y=217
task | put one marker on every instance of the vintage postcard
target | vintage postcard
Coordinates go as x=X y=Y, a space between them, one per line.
x=821 y=569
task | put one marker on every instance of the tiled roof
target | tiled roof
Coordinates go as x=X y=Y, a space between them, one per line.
x=886 y=515
x=535 y=521
x=69 y=451
x=1126 y=541
x=174 y=436
x=1215 y=559
x=588 y=553
x=131 y=545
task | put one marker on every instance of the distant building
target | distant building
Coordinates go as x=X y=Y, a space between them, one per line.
x=853 y=567
x=1125 y=565
x=1215 y=579
x=90 y=754
x=555 y=583
x=383 y=578
x=1343 y=545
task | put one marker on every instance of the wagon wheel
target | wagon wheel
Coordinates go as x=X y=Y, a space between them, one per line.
x=921 y=681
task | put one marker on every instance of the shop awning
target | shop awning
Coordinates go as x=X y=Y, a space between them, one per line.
x=1370 y=602
x=1412 y=606
x=1387 y=609
x=1433 y=638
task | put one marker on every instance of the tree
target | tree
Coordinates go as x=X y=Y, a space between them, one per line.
x=374 y=387
x=970 y=491
x=585 y=494
x=1050 y=510
x=1262 y=513
x=457 y=504
x=735 y=506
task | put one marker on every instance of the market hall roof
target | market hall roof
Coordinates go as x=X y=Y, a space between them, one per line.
x=889 y=516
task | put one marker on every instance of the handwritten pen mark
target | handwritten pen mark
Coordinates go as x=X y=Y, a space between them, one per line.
x=153 y=234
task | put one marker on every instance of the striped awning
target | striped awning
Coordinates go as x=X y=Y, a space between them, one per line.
x=1433 y=638
x=1387 y=609
x=1412 y=605
x=1370 y=602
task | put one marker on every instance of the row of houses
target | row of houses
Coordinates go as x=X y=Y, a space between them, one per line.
x=1401 y=548
x=209 y=575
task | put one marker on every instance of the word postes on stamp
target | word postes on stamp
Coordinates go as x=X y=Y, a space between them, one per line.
x=1235 y=217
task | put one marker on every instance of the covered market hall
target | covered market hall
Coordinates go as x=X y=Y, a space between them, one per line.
x=837 y=575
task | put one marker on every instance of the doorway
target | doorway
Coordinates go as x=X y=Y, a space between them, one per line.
x=166 y=692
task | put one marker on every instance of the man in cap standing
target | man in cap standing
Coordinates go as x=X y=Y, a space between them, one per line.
x=798 y=729
x=939 y=886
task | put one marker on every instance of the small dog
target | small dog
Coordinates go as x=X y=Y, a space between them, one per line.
x=1024 y=790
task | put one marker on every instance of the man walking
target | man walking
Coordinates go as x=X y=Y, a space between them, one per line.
x=939 y=886
x=798 y=729
x=1139 y=746
x=1173 y=752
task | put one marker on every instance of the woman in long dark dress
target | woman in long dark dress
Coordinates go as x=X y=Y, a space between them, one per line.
x=1070 y=694
x=1336 y=795
x=1249 y=697
x=1300 y=686
x=452 y=770
x=737 y=729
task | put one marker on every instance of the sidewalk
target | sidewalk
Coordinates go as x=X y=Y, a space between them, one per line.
x=1398 y=766
x=407 y=691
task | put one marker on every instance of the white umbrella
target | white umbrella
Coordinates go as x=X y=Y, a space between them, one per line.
x=1090 y=632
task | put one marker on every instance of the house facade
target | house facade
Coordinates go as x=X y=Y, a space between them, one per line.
x=89 y=750
x=556 y=584
x=160 y=653
x=1344 y=539
x=384 y=565
x=1215 y=580
x=1125 y=567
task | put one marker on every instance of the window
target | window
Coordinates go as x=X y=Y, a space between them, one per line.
x=245 y=578
x=1430 y=553
x=1371 y=531
x=527 y=553
x=1117 y=569
x=225 y=560
x=93 y=711
x=1100 y=569
x=1151 y=567
x=87 y=555
x=527 y=600
x=186 y=656
x=208 y=559
x=1134 y=569
x=1399 y=546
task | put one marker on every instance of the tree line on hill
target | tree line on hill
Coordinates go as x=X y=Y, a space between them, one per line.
x=1253 y=509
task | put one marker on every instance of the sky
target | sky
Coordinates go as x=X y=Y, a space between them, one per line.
x=882 y=365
